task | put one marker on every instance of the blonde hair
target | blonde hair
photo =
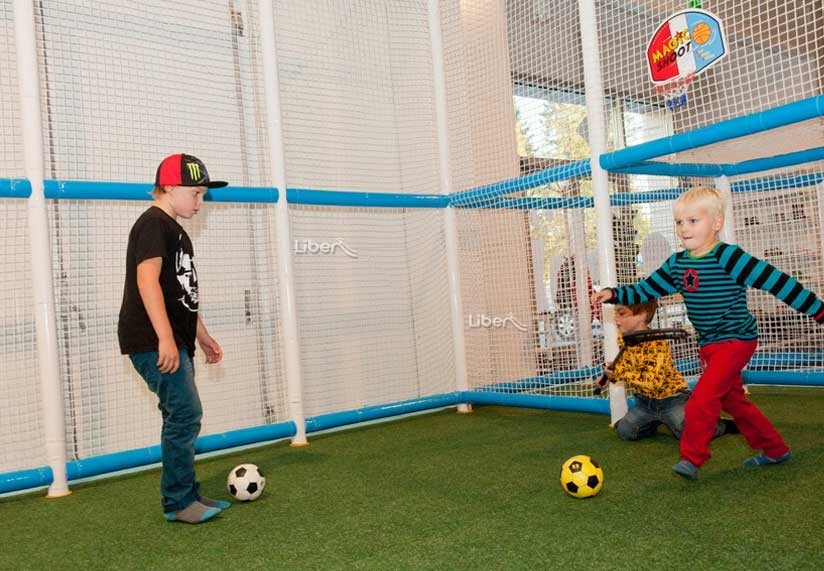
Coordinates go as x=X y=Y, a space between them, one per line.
x=157 y=191
x=704 y=197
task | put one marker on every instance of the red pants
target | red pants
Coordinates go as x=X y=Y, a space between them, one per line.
x=721 y=388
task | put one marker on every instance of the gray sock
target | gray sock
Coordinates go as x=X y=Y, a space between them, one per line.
x=193 y=513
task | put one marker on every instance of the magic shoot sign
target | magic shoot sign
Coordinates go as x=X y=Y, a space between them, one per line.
x=687 y=44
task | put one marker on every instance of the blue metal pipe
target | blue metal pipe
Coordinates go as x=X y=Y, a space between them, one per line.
x=87 y=190
x=576 y=404
x=15 y=188
x=474 y=197
x=365 y=199
x=785 y=378
x=335 y=419
x=725 y=130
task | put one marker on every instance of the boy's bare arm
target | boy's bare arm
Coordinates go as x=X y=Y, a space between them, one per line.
x=148 y=284
x=210 y=347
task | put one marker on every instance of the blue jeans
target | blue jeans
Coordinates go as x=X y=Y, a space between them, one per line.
x=180 y=406
x=643 y=419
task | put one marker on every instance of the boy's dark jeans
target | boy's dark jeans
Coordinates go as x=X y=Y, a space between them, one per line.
x=180 y=406
x=643 y=419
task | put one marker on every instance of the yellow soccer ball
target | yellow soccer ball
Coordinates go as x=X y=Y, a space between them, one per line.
x=582 y=476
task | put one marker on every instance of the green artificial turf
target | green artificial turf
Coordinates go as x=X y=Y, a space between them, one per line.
x=450 y=491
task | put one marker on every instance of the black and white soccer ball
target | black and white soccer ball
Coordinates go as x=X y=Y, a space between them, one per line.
x=246 y=482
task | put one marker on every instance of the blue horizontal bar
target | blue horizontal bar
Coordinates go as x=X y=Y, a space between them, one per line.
x=673 y=169
x=715 y=170
x=25 y=479
x=106 y=463
x=365 y=199
x=575 y=404
x=144 y=456
x=537 y=203
x=784 y=378
x=89 y=190
x=476 y=197
x=777 y=183
x=778 y=161
x=725 y=130
x=244 y=436
x=788 y=361
x=251 y=194
x=550 y=380
x=335 y=419
x=15 y=188
x=660 y=195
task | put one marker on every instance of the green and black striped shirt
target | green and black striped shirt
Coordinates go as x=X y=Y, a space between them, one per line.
x=714 y=287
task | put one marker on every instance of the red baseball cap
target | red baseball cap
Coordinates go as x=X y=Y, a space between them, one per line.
x=184 y=170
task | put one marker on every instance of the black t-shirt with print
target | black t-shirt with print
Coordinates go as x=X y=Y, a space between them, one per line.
x=157 y=235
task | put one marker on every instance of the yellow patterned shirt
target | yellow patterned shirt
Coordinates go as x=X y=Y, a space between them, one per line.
x=648 y=368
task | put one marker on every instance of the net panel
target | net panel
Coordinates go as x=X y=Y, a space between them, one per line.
x=774 y=57
x=11 y=144
x=479 y=94
x=108 y=407
x=126 y=84
x=236 y=255
x=21 y=411
x=497 y=286
x=356 y=92
x=783 y=227
x=374 y=327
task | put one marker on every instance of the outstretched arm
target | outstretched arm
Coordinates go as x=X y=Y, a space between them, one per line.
x=749 y=271
x=658 y=284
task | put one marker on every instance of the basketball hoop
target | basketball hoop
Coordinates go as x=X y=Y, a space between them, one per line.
x=675 y=92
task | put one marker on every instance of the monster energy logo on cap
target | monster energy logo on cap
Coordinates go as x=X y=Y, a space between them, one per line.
x=194 y=170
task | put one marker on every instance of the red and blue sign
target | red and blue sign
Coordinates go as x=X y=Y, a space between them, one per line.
x=687 y=44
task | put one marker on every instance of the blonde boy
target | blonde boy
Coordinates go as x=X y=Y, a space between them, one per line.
x=713 y=278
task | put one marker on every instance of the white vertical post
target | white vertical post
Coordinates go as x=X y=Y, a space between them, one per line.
x=727 y=233
x=596 y=123
x=577 y=236
x=42 y=287
x=286 y=274
x=820 y=190
x=450 y=222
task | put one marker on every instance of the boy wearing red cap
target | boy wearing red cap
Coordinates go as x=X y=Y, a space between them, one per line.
x=159 y=324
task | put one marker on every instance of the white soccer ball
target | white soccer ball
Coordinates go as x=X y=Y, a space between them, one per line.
x=246 y=482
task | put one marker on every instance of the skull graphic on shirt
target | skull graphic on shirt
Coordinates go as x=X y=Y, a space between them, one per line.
x=187 y=277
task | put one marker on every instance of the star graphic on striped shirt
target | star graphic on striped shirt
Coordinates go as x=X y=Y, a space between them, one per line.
x=691 y=279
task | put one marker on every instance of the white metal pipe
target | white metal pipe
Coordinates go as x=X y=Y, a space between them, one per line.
x=286 y=274
x=450 y=222
x=596 y=123
x=727 y=233
x=42 y=286
x=820 y=190
x=577 y=237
